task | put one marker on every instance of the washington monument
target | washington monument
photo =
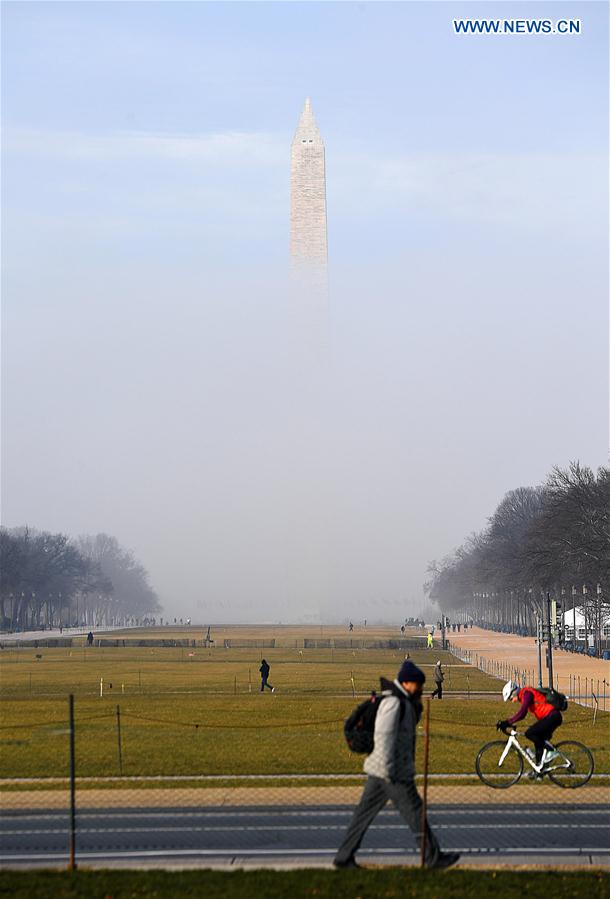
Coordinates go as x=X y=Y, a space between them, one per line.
x=308 y=247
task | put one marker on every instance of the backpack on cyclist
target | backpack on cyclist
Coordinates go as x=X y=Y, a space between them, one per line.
x=359 y=728
x=558 y=700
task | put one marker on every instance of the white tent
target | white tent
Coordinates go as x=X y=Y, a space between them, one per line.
x=574 y=625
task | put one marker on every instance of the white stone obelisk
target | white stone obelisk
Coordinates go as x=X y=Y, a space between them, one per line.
x=308 y=242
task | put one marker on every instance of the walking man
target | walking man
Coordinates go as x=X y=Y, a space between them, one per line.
x=439 y=677
x=264 y=670
x=391 y=770
x=430 y=640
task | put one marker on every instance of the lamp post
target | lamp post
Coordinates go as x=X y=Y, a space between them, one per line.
x=539 y=646
x=575 y=629
x=586 y=611
x=550 y=640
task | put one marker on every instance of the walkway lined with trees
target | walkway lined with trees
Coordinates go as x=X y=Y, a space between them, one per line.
x=52 y=581
x=552 y=539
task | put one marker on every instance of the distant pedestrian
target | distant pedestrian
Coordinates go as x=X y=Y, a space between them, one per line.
x=430 y=641
x=402 y=629
x=391 y=770
x=264 y=670
x=351 y=627
x=439 y=677
x=90 y=639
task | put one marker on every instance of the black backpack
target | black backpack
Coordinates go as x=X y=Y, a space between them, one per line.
x=558 y=700
x=359 y=728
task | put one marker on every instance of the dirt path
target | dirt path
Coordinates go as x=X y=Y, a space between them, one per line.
x=521 y=652
x=293 y=796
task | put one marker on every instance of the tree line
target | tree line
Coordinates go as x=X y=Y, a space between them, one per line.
x=551 y=539
x=51 y=580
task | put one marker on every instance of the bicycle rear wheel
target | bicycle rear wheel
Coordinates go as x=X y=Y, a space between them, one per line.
x=573 y=766
x=491 y=772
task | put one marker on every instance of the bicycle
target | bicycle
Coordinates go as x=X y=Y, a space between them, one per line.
x=499 y=764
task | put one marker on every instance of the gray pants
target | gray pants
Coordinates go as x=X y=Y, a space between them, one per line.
x=376 y=793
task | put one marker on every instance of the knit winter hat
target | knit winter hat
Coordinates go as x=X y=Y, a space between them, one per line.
x=410 y=672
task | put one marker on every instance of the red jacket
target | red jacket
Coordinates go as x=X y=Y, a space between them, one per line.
x=536 y=702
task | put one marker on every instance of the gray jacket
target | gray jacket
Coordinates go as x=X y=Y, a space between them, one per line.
x=393 y=757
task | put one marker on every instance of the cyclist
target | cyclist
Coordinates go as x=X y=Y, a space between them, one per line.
x=548 y=717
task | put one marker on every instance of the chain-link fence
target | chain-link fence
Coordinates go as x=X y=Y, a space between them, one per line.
x=242 y=774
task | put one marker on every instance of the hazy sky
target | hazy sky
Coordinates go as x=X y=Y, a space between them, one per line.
x=155 y=383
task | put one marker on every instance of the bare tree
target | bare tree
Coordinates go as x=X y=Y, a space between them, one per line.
x=539 y=540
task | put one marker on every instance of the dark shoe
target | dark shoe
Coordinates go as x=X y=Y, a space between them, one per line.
x=445 y=860
x=350 y=863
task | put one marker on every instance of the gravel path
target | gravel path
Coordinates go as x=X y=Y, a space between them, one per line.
x=522 y=653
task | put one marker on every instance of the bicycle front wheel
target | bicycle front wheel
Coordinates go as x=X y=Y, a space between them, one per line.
x=573 y=766
x=492 y=772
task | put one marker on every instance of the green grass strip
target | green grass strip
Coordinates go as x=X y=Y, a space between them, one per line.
x=366 y=884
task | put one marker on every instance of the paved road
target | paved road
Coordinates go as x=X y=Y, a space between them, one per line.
x=580 y=835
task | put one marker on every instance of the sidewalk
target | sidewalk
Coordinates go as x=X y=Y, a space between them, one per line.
x=55 y=633
x=284 y=797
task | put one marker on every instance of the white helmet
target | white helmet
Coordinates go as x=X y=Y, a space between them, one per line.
x=509 y=689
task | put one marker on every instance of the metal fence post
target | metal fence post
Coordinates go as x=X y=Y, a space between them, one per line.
x=424 y=807
x=72 y=862
x=118 y=727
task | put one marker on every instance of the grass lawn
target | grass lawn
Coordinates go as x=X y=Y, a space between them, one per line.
x=180 y=714
x=257 y=734
x=368 y=884
x=43 y=672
